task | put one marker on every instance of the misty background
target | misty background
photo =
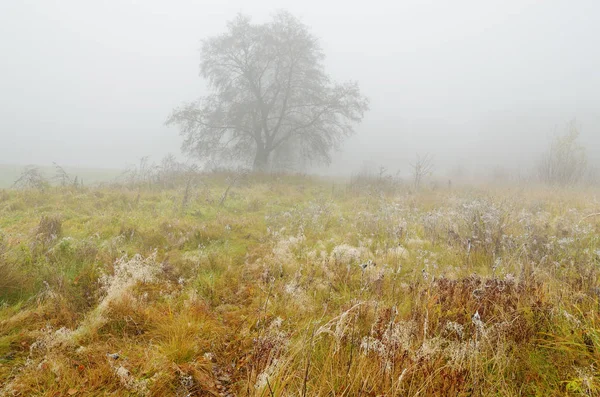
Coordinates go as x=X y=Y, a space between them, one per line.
x=476 y=84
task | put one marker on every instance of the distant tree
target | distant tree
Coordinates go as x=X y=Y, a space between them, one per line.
x=31 y=178
x=565 y=161
x=62 y=177
x=422 y=167
x=270 y=97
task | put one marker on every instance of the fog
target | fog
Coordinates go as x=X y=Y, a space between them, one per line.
x=476 y=84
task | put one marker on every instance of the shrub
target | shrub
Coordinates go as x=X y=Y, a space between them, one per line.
x=49 y=228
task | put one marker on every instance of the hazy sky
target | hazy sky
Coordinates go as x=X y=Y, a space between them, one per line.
x=90 y=83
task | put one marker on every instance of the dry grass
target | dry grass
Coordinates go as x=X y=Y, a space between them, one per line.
x=295 y=288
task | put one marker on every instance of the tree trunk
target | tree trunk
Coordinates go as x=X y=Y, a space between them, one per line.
x=261 y=159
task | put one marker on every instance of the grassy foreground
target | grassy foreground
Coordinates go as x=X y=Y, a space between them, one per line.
x=299 y=287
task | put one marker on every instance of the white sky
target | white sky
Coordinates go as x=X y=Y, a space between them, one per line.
x=90 y=83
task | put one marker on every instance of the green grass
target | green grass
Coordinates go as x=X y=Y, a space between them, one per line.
x=264 y=295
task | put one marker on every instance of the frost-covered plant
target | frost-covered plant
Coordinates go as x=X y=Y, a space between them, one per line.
x=346 y=254
x=127 y=380
x=127 y=273
x=284 y=248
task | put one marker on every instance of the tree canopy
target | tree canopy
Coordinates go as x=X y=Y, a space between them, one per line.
x=270 y=100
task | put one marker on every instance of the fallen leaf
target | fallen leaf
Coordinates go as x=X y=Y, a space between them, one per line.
x=72 y=392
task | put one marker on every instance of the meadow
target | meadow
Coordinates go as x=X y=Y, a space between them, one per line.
x=290 y=285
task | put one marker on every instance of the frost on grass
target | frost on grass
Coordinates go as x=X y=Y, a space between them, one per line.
x=397 y=253
x=396 y=339
x=262 y=380
x=345 y=254
x=128 y=381
x=273 y=342
x=127 y=274
x=285 y=247
x=399 y=339
x=297 y=293
x=341 y=326
x=50 y=339
x=268 y=349
x=52 y=343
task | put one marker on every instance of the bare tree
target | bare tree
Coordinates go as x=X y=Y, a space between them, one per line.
x=62 y=177
x=422 y=167
x=565 y=162
x=271 y=97
x=31 y=178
